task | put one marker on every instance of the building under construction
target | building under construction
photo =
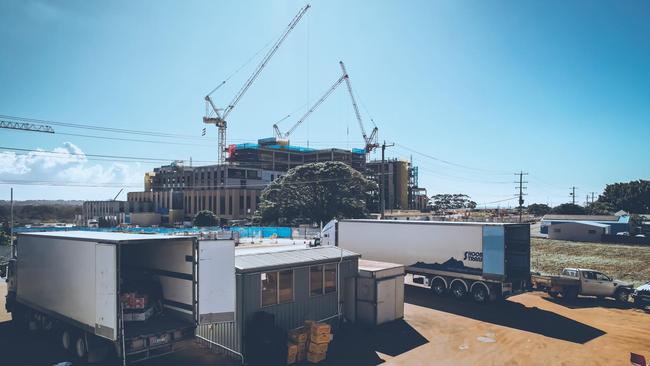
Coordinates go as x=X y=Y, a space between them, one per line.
x=269 y=155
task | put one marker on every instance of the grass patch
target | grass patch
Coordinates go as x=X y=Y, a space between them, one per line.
x=621 y=261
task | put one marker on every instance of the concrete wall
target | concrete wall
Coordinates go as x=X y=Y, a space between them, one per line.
x=145 y=218
x=576 y=231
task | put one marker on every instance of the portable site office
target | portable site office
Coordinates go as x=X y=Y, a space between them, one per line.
x=73 y=281
x=262 y=285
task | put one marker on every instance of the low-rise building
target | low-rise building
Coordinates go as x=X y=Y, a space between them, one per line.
x=292 y=284
x=578 y=231
x=617 y=223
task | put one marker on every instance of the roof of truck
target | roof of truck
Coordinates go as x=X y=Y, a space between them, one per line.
x=102 y=236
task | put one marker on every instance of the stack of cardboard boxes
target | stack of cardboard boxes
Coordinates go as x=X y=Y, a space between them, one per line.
x=309 y=342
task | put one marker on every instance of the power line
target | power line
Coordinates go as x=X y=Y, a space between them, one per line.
x=67 y=154
x=102 y=128
x=451 y=163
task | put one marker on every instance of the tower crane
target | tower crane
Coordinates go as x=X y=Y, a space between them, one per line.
x=283 y=138
x=217 y=116
x=371 y=141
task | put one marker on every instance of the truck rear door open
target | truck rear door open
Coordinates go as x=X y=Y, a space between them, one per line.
x=106 y=291
x=216 y=281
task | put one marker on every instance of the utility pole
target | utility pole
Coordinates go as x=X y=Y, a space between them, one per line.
x=11 y=226
x=521 y=192
x=592 y=197
x=382 y=205
x=573 y=195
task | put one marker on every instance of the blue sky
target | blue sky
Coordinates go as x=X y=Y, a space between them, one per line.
x=559 y=89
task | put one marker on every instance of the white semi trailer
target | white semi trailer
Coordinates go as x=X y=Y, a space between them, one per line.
x=485 y=260
x=69 y=284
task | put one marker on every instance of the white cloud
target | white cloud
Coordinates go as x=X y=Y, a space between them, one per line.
x=66 y=164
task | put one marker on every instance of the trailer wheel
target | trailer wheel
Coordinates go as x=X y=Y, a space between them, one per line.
x=438 y=287
x=80 y=349
x=458 y=290
x=66 y=339
x=479 y=294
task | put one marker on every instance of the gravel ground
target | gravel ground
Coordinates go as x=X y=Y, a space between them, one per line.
x=621 y=261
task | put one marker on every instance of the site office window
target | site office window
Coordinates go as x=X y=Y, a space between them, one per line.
x=277 y=287
x=322 y=279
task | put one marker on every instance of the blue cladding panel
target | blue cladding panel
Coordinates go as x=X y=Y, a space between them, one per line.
x=493 y=251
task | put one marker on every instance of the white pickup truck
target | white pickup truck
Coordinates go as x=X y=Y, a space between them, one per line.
x=578 y=281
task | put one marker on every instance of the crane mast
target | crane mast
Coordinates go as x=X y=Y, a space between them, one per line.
x=371 y=141
x=219 y=119
x=284 y=138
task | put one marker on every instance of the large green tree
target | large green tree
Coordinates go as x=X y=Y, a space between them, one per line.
x=568 y=209
x=316 y=192
x=632 y=196
x=538 y=209
x=205 y=218
x=444 y=202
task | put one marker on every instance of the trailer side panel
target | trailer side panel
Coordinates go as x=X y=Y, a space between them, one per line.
x=57 y=277
x=423 y=246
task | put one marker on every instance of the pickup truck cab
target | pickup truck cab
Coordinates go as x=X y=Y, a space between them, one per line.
x=587 y=282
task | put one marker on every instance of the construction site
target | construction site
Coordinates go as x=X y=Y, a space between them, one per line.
x=231 y=189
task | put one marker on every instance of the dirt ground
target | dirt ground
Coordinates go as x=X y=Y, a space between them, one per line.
x=623 y=262
x=529 y=329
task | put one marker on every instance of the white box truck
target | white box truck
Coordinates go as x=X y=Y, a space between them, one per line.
x=485 y=260
x=73 y=284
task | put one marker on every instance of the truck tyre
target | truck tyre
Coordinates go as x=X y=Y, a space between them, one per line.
x=438 y=287
x=621 y=295
x=18 y=319
x=479 y=294
x=570 y=294
x=80 y=349
x=66 y=339
x=458 y=290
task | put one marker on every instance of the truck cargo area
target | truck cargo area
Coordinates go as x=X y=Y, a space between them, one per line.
x=156 y=295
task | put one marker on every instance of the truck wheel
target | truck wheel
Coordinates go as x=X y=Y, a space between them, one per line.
x=458 y=290
x=438 y=287
x=621 y=296
x=479 y=294
x=80 y=349
x=570 y=294
x=66 y=339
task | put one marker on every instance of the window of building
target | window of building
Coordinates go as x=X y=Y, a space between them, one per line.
x=285 y=286
x=316 y=280
x=330 y=278
x=322 y=279
x=556 y=230
x=269 y=288
x=277 y=287
x=592 y=231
